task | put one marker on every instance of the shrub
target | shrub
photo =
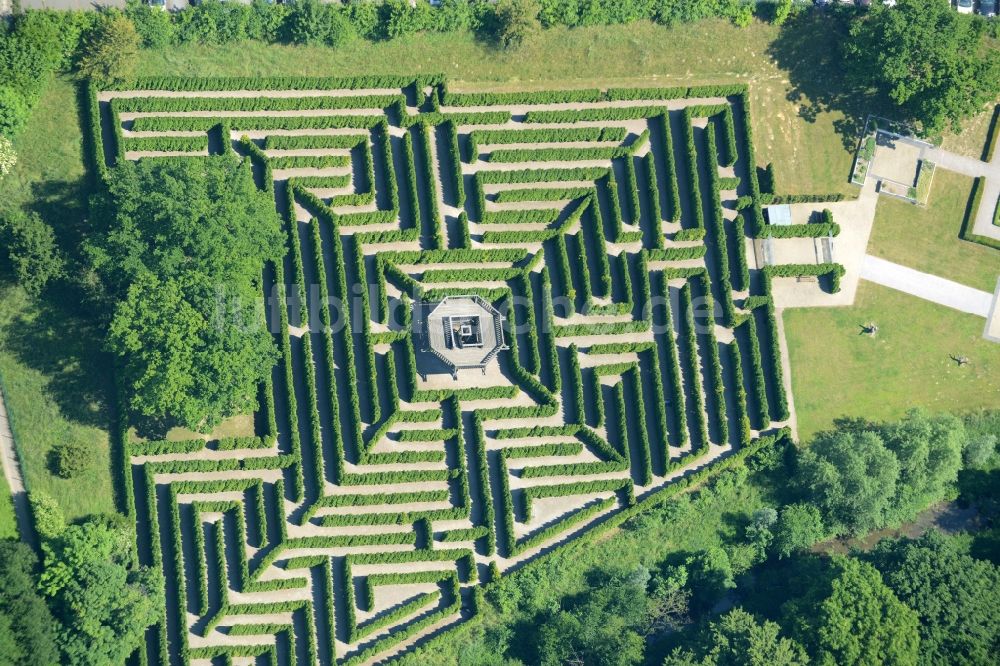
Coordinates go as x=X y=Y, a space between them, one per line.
x=315 y=22
x=692 y=172
x=111 y=53
x=153 y=25
x=514 y=21
x=49 y=519
x=70 y=458
x=31 y=250
x=14 y=111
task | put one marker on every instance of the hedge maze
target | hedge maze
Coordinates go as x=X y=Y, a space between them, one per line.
x=609 y=226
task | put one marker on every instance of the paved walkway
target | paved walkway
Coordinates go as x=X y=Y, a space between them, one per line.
x=970 y=166
x=926 y=286
x=12 y=472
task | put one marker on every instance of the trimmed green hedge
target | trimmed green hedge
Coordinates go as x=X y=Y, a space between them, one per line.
x=188 y=144
x=298 y=142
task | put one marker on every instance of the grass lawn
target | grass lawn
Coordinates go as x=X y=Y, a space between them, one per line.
x=50 y=360
x=971 y=139
x=798 y=136
x=56 y=386
x=927 y=238
x=838 y=372
x=8 y=525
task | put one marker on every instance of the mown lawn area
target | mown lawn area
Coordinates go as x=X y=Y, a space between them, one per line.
x=57 y=379
x=971 y=138
x=792 y=131
x=926 y=238
x=837 y=371
x=8 y=525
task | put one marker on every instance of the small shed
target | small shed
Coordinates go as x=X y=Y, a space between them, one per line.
x=779 y=215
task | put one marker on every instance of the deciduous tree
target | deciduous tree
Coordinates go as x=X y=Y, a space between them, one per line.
x=181 y=261
x=515 y=20
x=863 y=622
x=954 y=595
x=926 y=58
x=851 y=477
x=799 y=526
x=27 y=629
x=103 y=602
x=31 y=250
x=111 y=51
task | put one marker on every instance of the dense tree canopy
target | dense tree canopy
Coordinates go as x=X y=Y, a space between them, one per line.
x=864 y=476
x=926 y=58
x=853 y=618
x=104 y=603
x=954 y=595
x=27 y=628
x=738 y=639
x=929 y=451
x=851 y=477
x=606 y=627
x=515 y=20
x=111 y=51
x=799 y=526
x=182 y=260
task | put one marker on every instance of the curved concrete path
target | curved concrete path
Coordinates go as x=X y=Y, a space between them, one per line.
x=12 y=472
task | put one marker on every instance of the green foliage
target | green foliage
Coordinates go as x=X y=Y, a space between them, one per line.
x=863 y=622
x=739 y=639
x=799 y=526
x=31 y=250
x=70 y=458
x=111 y=52
x=606 y=627
x=14 y=111
x=49 y=518
x=103 y=602
x=514 y=21
x=28 y=632
x=938 y=73
x=176 y=230
x=952 y=593
x=153 y=25
x=315 y=22
x=851 y=477
x=711 y=576
x=929 y=451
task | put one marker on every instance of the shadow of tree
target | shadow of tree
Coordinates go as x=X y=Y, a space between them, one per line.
x=65 y=347
x=809 y=49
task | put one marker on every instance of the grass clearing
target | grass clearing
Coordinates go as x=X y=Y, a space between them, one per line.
x=57 y=379
x=926 y=238
x=906 y=365
x=8 y=523
x=972 y=137
x=50 y=358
